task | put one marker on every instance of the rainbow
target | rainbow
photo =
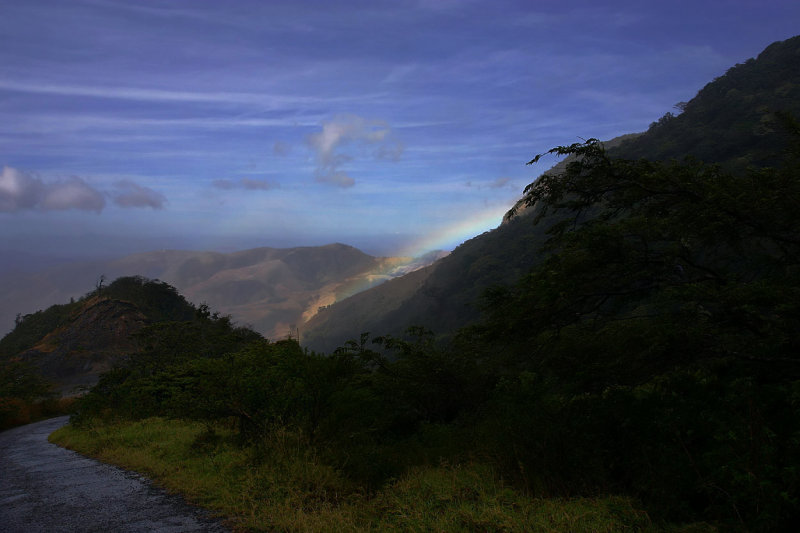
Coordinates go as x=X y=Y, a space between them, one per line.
x=450 y=236
x=445 y=238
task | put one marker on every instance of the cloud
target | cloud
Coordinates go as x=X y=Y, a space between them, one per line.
x=347 y=130
x=244 y=183
x=499 y=183
x=22 y=190
x=129 y=194
x=266 y=100
x=19 y=190
x=340 y=179
x=391 y=150
x=72 y=193
x=224 y=184
x=257 y=185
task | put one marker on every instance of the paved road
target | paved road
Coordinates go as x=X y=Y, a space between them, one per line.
x=44 y=488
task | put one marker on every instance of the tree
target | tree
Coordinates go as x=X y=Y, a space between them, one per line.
x=657 y=344
x=99 y=285
x=20 y=386
x=645 y=239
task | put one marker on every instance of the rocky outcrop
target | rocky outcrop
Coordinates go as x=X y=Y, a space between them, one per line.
x=96 y=337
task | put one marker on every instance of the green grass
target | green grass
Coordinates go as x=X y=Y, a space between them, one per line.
x=281 y=485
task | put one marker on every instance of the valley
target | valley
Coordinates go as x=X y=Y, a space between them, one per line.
x=273 y=290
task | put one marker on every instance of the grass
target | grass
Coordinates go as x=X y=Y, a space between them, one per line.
x=281 y=485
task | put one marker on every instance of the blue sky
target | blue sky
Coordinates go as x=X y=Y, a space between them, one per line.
x=392 y=126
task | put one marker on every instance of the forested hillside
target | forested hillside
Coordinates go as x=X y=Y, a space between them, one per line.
x=442 y=296
x=735 y=120
x=732 y=120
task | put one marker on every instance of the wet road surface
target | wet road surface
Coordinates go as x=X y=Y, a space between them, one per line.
x=44 y=488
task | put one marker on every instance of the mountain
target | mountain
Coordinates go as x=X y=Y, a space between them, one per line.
x=735 y=120
x=442 y=296
x=72 y=344
x=270 y=289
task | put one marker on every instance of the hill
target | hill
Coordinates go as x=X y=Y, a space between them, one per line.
x=72 y=344
x=735 y=120
x=441 y=297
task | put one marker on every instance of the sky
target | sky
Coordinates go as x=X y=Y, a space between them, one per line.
x=394 y=126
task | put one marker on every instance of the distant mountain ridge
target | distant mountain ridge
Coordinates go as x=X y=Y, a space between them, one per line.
x=271 y=289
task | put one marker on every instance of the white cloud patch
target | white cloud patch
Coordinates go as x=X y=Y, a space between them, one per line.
x=72 y=193
x=22 y=190
x=349 y=130
x=130 y=194
x=248 y=184
x=19 y=190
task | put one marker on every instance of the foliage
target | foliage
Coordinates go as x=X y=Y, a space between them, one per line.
x=734 y=119
x=157 y=300
x=657 y=343
x=151 y=380
x=665 y=244
x=20 y=380
x=31 y=328
x=23 y=393
x=26 y=397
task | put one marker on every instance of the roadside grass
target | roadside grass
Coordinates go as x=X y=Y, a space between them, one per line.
x=281 y=485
